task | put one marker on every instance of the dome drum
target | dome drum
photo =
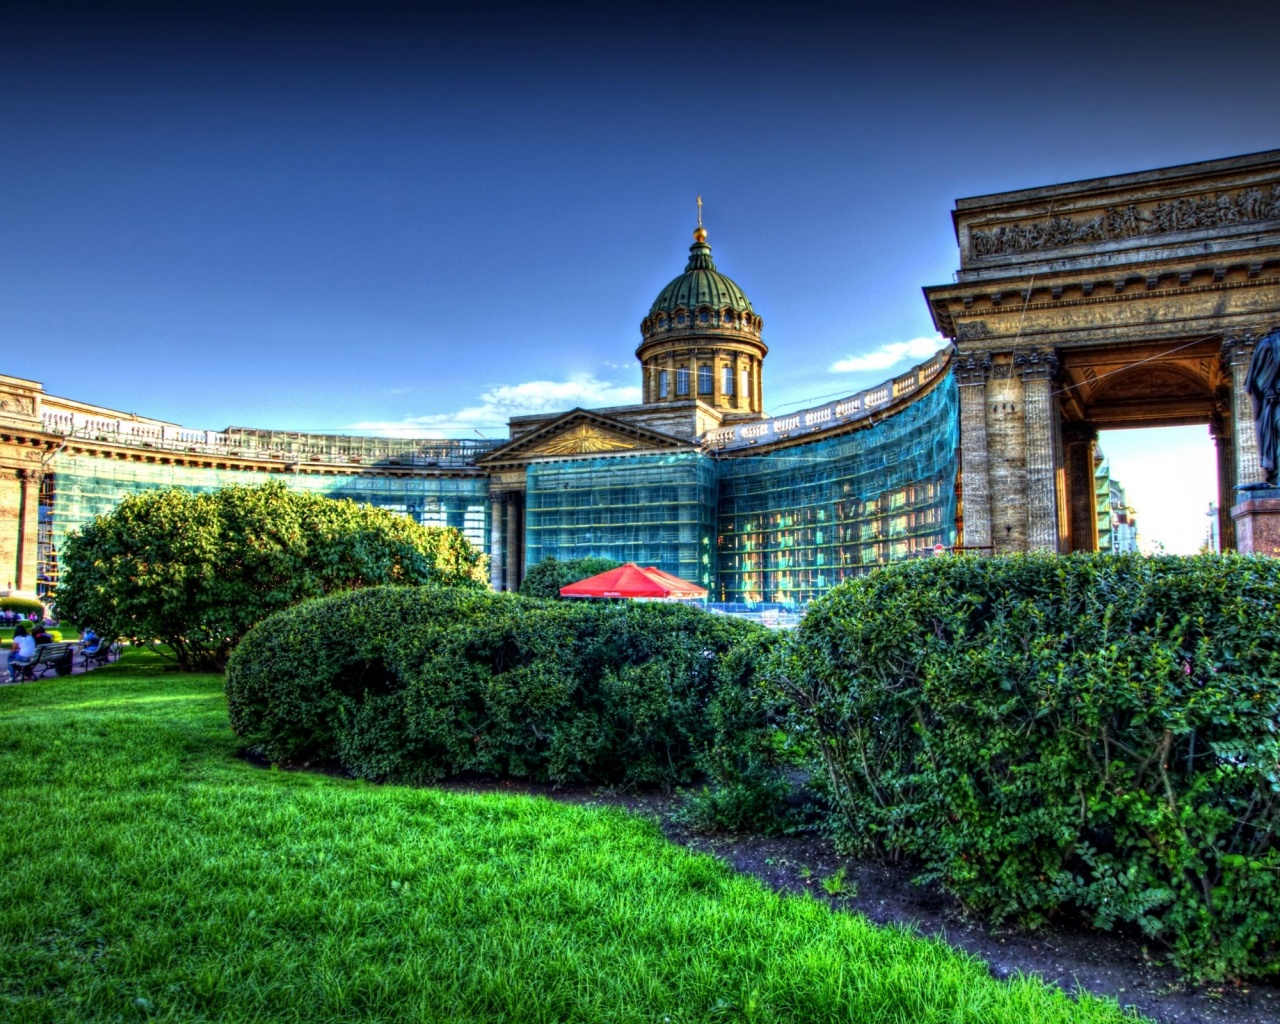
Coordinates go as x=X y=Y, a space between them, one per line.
x=695 y=321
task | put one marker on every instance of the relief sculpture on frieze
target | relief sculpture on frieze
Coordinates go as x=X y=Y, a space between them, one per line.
x=1184 y=214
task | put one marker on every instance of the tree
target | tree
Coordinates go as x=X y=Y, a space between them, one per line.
x=196 y=571
x=547 y=577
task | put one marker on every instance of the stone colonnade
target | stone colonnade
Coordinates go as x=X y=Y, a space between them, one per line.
x=506 y=540
x=19 y=527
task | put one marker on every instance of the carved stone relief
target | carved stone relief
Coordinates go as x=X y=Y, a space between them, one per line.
x=1245 y=206
x=582 y=439
x=974 y=330
x=18 y=404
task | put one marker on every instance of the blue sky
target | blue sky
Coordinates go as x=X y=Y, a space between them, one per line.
x=424 y=218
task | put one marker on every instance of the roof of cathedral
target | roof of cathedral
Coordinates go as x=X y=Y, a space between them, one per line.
x=701 y=285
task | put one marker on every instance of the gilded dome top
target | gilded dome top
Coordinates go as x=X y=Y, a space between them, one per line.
x=701 y=285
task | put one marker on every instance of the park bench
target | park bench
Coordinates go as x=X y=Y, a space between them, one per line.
x=105 y=652
x=57 y=657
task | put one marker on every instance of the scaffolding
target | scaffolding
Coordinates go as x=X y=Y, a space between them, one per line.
x=794 y=523
x=648 y=509
x=82 y=488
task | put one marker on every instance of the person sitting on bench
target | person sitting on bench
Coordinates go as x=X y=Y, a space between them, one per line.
x=23 y=650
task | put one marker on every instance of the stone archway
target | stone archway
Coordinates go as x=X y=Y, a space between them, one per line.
x=1129 y=301
x=1137 y=385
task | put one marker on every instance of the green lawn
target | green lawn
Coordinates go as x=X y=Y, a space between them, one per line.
x=147 y=873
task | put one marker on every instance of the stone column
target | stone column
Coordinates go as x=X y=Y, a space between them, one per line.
x=1039 y=370
x=497 y=553
x=1078 y=441
x=515 y=541
x=1224 y=441
x=24 y=576
x=1237 y=351
x=975 y=484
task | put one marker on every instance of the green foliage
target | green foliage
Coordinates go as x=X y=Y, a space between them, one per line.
x=547 y=577
x=21 y=605
x=1091 y=732
x=416 y=684
x=149 y=874
x=195 y=571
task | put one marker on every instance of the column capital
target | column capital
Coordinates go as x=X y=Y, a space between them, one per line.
x=971 y=371
x=1079 y=432
x=1037 y=364
x=1237 y=349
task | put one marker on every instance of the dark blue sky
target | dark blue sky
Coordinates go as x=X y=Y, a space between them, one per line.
x=322 y=216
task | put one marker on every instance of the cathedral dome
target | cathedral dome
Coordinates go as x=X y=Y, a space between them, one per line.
x=701 y=301
x=701 y=285
x=701 y=340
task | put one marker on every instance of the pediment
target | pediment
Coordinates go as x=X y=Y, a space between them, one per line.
x=582 y=433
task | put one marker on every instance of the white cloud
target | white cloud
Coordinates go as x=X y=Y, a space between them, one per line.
x=889 y=355
x=500 y=403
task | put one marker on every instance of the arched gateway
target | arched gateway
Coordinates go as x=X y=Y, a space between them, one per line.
x=1128 y=301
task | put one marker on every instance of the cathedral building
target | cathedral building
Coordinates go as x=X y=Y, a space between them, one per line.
x=697 y=479
x=1134 y=300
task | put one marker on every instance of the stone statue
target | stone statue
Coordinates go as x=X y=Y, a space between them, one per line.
x=1263 y=385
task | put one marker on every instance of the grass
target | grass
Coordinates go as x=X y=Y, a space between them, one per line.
x=148 y=874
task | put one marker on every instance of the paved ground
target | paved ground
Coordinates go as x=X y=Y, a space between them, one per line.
x=77 y=668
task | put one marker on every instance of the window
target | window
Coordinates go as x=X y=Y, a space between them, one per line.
x=728 y=380
x=682 y=381
x=662 y=383
x=704 y=317
x=704 y=379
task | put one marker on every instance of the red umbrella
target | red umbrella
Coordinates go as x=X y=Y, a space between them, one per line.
x=632 y=581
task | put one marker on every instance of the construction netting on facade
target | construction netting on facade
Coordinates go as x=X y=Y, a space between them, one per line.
x=794 y=523
x=649 y=509
x=82 y=488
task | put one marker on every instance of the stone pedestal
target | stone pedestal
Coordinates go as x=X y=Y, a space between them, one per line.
x=1257 y=518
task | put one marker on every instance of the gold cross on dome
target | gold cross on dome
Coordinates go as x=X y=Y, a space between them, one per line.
x=699 y=211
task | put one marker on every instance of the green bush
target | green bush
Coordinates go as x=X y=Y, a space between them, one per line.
x=547 y=577
x=418 y=684
x=195 y=571
x=1091 y=733
x=21 y=605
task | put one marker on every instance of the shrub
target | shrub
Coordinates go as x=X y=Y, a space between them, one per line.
x=417 y=684
x=1090 y=732
x=547 y=577
x=21 y=605
x=197 y=570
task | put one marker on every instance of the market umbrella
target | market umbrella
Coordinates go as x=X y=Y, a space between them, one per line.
x=631 y=580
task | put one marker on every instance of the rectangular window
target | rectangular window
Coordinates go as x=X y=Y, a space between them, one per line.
x=682 y=381
x=662 y=383
x=704 y=379
x=728 y=380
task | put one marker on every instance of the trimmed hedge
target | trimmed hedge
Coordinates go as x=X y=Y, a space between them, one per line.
x=21 y=605
x=1093 y=733
x=417 y=684
x=547 y=577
